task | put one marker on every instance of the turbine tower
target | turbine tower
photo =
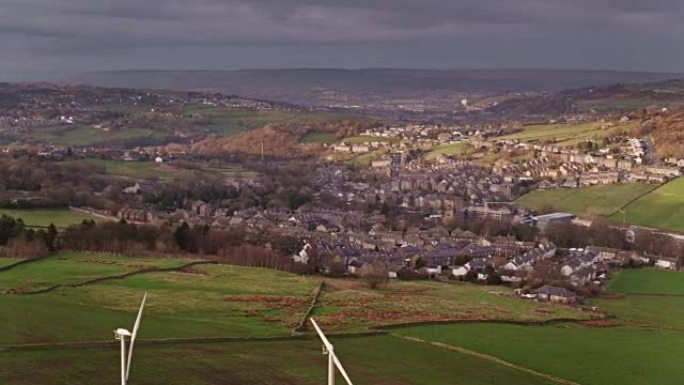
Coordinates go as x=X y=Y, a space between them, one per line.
x=333 y=361
x=121 y=334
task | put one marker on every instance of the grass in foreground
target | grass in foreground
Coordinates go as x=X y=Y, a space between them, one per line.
x=588 y=201
x=662 y=208
x=207 y=300
x=591 y=356
x=61 y=218
x=368 y=360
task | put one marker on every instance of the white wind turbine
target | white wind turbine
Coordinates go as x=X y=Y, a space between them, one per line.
x=333 y=361
x=121 y=334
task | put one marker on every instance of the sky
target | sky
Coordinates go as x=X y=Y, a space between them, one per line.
x=71 y=36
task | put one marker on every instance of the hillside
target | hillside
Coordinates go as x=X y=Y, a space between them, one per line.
x=668 y=134
x=319 y=86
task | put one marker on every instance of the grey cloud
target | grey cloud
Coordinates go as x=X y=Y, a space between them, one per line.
x=93 y=34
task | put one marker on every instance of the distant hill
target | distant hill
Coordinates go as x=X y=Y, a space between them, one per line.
x=335 y=86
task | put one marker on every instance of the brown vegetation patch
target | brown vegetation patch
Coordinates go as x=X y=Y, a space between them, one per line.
x=599 y=323
x=274 y=302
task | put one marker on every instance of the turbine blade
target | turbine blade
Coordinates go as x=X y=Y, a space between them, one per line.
x=341 y=369
x=133 y=334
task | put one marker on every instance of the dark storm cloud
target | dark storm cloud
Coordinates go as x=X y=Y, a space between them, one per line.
x=102 y=34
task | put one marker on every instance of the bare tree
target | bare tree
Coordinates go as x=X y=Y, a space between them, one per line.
x=374 y=273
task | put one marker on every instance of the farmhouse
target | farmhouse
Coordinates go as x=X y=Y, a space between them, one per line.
x=555 y=294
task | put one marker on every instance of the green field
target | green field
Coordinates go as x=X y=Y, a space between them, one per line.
x=365 y=139
x=230 y=301
x=602 y=200
x=454 y=149
x=647 y=281
x=61 y=218
x=368 y=360
x=664 y=307
x=589 y=355
x=165 y=171
x=662 y=208
x=87 y=135
x=131 y=169
x=318 y=137
x=566 y=134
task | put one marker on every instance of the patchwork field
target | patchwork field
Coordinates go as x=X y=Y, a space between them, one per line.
x=229 y=301
x=567 y=134
x=602 y=200
x=44 y=217
x=662 y=208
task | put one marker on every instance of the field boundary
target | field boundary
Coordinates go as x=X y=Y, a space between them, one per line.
x=316 y=294
x=489 y=321
x=635 y=199
x=25 y=261
x=181 y=340
x=111 y=277
x=488 y=357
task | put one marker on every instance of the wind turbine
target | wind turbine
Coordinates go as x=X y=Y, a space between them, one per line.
x=333 y=361
x=121 y=334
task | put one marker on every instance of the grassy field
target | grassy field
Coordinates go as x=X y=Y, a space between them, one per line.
x=231 y=301
x=166 y=171
x=44 y=217
x=590 y=201
x=655 y=310
x=368 y=360
x=318 y=137
x=365 y=139
x=349 y=305
x=87 y=135
x=647 y=281
x=662 y=208
x=4 y=261
x=70 y=268
x=454 y=149
x=566 y=134
x=131 y=169
x=208 y=300
x=589 y=355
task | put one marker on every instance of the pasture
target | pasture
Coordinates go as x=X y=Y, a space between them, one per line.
x=349 y=305
x=318 y=137
x=655 y=281
x=454 y=149
x=662 y=208
x=588 y=355
x=222 y=301
x=589 y=201
x=567 y=134
x=368 y=360
x=88 y=135
x=61 y=218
